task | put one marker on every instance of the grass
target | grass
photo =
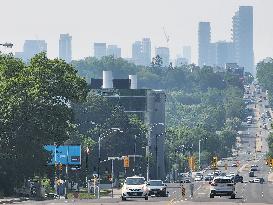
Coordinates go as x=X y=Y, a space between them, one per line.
x=85 y=195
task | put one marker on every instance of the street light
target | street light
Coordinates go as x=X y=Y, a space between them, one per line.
x=199 y=153
x=100 y=138
x=148 y=148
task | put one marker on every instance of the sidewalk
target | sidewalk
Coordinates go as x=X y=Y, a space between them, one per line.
x=10 y=200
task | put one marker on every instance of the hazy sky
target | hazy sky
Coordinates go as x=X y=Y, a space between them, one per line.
x=124 y=21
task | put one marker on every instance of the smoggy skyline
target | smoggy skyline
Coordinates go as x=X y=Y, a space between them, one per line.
x=122 y=22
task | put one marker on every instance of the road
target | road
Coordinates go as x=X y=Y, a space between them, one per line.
x=246 y=193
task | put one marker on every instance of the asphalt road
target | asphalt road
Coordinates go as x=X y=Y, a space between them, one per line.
x=246 y=193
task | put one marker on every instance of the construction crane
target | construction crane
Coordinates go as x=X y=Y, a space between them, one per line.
x=8 y=45
x=166 y=36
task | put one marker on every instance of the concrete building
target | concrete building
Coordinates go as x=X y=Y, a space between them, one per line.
x=141 y=52
x=147 y=104
x=187 y=53
x=225 y=53
x=146 y=51
x=181 y=61
x=31 y=48
x=137 y=53
x=204 y=38
x=114 y=50
x=164 y=53
x=243 y=37
x=65 y=50
x=99 y=50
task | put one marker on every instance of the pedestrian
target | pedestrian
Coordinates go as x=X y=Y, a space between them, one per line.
x=191 y=189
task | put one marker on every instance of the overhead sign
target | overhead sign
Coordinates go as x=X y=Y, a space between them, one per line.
x=70 y=154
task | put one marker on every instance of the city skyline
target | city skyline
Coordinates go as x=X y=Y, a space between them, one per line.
x=181 y=25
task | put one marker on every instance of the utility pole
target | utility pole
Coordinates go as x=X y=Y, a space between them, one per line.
x=156 y=157
x=135 y=156
x=199 y=155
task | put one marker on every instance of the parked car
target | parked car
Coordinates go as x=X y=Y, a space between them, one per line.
x=157 y=188
x=251 y=174
x=237 y=178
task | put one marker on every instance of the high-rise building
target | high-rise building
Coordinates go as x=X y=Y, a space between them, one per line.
x=99 y=50
x=65 y=50
x=141 y=52
x=224 y=53
x=31 y=48
x=114 y=50
x=163 y=53
x=243 y=37
x=187 y=53
x=203 y=43
x=137 y=53
x=146 y=51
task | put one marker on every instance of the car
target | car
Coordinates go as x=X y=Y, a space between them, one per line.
x=237 y=178
x=185 y=180
x=251 y=174
x=157 y=188
x=134 y=187
x=232 y=174
x=257 y=180
x=234 y=165
x=198 y=178
x=208 y=178
x=253 y=169
x=222 y=186
x=254 y=165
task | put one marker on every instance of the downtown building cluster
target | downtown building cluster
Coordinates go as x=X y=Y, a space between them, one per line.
x=239 y=50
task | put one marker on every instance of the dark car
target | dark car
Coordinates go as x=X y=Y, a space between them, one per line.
x=185 y=180
x=237 y=178
x=157 y=188
x=208 y=178
x=253 y=169
x=251 y=174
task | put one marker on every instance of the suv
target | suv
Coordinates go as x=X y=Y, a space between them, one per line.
x=157 y=188
x=134 y=187
x=222 y=186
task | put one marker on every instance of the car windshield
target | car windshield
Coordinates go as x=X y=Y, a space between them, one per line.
x=155 y=183
x=135 y=181
x=222 y=180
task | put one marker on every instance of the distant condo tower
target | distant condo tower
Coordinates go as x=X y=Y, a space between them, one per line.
x=203 y=43
x=65 y=50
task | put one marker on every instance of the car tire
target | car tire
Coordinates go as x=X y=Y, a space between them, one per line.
x=211 y=196
x=146 y=197
x=232 y=196
x=123 y=198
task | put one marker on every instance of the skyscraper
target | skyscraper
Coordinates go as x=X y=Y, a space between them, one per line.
x=65 y=50
x=141 y=52
x=137 y=53
x=31 y=48
x=164 y=53
x=187 y=53
x=146 y=51
x=114 y=50
x=225 y=53
x=99 y=50
x=243 y=37
x=203 y=43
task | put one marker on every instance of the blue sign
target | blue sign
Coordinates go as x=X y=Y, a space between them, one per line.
x=70 y=154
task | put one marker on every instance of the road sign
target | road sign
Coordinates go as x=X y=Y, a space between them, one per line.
x=126 y=162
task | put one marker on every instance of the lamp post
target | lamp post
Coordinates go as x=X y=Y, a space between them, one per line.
x=148 y=149
x=100 y=138
x=199 y=153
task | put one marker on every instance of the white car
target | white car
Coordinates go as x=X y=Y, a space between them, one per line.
x=134 y=187
x=198 y=178
x=222 y=186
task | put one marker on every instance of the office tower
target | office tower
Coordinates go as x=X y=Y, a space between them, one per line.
x=187 y=53
x=164 y=53
x=31 y=48
x=203 y=43
x=224 y=53
x=114 y=50
x=137 y=53
x=146 y=51
x=99 y=50
x=243 y=37
x=212 y=55
x=181 y=61
x=141 y=52
x=65 y=50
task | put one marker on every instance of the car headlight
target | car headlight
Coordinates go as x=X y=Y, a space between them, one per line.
x=149 y=188
x=161 y=189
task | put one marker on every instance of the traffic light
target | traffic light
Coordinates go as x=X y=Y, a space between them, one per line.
x=191 y=161
x=126 y=162
x=214 y=162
